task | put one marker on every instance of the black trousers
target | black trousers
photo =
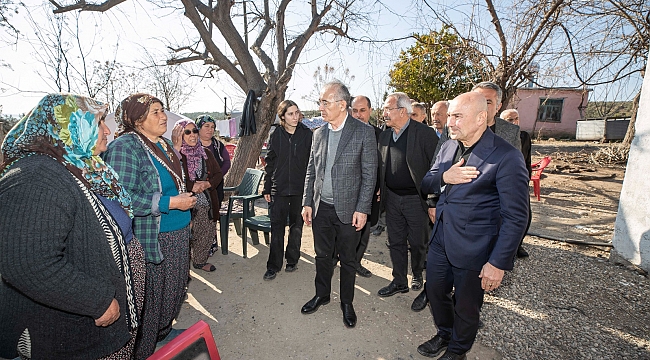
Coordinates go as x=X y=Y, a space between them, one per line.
x=330 y=234
x=364 y=239
x=281 y=208
x=455 y=317
x=406 y=223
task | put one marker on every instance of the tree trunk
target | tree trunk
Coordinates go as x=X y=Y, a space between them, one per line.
x=629 y=135
x=249 y=148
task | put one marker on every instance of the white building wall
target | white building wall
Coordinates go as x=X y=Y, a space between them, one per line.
x=632 y=228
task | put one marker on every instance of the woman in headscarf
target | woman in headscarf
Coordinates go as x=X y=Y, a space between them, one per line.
x=151 y=171
x=206 y=126
x=203 y=177
x=72 y=272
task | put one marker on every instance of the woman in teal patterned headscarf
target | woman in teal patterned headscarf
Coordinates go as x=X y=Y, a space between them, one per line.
x=73 y=273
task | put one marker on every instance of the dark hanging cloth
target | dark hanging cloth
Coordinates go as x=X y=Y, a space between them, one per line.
x=247 y=124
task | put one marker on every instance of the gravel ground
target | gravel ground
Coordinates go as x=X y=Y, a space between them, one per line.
x=568 y=302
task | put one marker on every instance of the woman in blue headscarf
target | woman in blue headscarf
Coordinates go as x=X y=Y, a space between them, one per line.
x=72 y=273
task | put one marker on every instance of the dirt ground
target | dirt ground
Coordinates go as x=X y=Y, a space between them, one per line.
x=255 y=319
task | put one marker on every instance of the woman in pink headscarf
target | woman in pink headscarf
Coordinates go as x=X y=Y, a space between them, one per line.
x=203 y=177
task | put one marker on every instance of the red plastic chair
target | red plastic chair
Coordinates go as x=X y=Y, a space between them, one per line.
x=231 y=150
x=538 y=167
x=194 y=343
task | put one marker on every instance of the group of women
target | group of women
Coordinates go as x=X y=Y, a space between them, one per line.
x=95 y=250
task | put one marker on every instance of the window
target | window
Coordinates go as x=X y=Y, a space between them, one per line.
x=550 y=110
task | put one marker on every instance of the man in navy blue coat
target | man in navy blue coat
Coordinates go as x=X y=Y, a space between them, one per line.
x=481 y=215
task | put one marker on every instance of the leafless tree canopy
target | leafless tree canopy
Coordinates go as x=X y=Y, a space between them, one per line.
x=266 y=64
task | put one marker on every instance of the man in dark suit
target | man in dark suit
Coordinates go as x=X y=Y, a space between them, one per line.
x=361 y=110
x=481 y=215
x=406 y=151
x=512 y=116
x=503 y=129
x=339 y=187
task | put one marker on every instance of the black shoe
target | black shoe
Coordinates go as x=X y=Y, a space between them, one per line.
x=349 y=316
x=392 y=289
x=522 y=253
x=290 y=268
x=448 y=355
x=420 y=302
x=269 y=275
x=312 y=305
x=378 y=230
x=416 y=283
x=363 y=272
x=433 y=347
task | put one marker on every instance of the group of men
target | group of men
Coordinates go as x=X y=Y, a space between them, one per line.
x=474 y=192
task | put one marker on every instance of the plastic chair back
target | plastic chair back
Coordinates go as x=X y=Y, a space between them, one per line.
x=538 y=168
x=195 y=343
x=250 y=183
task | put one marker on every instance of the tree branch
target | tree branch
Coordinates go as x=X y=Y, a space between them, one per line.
x=81 y=5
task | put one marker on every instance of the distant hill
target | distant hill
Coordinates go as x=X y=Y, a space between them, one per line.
x=611 y=109
x=215 y=115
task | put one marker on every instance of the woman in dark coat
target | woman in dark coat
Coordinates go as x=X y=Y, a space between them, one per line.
x=206 y=126
x=286 y=166
x=72 y=272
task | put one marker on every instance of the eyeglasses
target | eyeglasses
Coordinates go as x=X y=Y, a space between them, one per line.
x=386 y=109
x=188 y=131
x=325 y=103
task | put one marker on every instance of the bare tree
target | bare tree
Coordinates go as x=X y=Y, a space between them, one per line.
x=608 y=44
x=515 y=38
x=170 y=83
x=323 y=75
x=264 y=65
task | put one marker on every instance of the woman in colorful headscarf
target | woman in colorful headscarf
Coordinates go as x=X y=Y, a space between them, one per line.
x=151 y=171
x=72 y=272
x=203 y=177
x=206 y=126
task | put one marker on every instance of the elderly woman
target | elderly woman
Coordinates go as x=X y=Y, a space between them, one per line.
x=206 y=126
x=286 y=166
x=151 y=172
x=68 y=258
x=203 y=178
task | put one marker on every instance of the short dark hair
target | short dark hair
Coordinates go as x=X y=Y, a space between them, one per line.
x=363 y=97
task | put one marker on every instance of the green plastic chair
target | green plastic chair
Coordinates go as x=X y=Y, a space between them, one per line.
x=234 y=209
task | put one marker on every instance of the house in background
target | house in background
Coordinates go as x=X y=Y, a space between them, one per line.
x=549 y=112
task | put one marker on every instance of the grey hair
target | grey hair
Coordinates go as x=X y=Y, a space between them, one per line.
x=403 y=101
x=445 y=102
x=419 y=106
x=492 y=86
x=512 y=110
x=341 y=91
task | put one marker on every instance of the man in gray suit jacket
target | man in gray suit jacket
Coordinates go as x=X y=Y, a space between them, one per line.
x=339 y=187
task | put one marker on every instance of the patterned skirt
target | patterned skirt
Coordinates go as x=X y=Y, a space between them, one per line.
x=164 y=291
x=203 y=234
x=136 y=260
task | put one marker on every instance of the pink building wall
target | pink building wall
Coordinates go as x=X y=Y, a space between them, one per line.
x=527 y=100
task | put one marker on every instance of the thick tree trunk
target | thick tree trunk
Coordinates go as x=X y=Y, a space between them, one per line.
x=249 y=148
x=629 y=135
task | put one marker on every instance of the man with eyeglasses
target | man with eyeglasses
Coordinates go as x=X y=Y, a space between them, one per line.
x=339 y=187
x=406 y=150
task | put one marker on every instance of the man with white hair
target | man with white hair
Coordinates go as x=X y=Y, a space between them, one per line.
x=512 y=116
x=406 y=149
